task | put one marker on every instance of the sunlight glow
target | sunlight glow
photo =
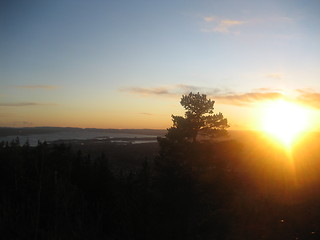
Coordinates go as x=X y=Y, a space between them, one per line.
x=285 y=121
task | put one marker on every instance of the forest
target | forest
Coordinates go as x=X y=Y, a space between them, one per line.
x=191 y=188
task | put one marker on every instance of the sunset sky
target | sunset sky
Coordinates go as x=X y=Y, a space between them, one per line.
x=125 y=64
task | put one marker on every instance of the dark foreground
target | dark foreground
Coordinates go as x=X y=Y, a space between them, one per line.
x=219 y=190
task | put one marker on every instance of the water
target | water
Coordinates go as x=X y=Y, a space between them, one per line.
x=77 y=135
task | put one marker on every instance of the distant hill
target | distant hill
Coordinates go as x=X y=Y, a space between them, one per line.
x=7 y=131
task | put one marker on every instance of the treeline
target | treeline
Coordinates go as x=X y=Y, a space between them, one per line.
x=189 y=191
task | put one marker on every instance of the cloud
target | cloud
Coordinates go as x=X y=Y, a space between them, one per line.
x=224 y=97
x=247 y=98
x=20 y=104
x=147 y=114
x=264 y=89
x=275 y=75
x=225 y=25
x=21 y=123
x=4 y=115
x=25 y=104
x=308 y=98
x=147 y=91
x=47 y=87
x=188 y=88
x=276 y=26
x=302 y=96
x=169 y=91
x=214 y=24
x=209 y=19
x=184 y=89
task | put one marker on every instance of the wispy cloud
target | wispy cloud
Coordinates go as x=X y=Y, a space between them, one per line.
x=183 y=89
x=209 y=19
x=309 y=98
x=47 y=87
x=146 y=114
x=169 y=91
x=302 y=96
x=188 y=88
x=265 y=89
x=275 y=75
x=4 y=114
x=147 y=91
x=225 y=26
x=216 y=24
x=25 y=104
x=215 y=93
x=274 y=25
x=21 y=124
x=247 y=98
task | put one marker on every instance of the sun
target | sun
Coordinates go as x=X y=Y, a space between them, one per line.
x=285 y=120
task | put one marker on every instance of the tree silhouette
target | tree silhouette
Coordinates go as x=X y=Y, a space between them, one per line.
x=198 y=119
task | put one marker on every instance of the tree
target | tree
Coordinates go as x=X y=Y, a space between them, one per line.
x=198 y=119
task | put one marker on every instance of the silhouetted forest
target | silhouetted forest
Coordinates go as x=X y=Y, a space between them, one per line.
x=202 y=190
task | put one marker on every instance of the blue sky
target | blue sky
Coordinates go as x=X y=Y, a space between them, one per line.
x=100 y=63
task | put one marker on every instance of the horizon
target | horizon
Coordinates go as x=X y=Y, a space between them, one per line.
x=260 y=131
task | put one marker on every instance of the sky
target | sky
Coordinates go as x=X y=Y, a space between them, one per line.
x=126 y=64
